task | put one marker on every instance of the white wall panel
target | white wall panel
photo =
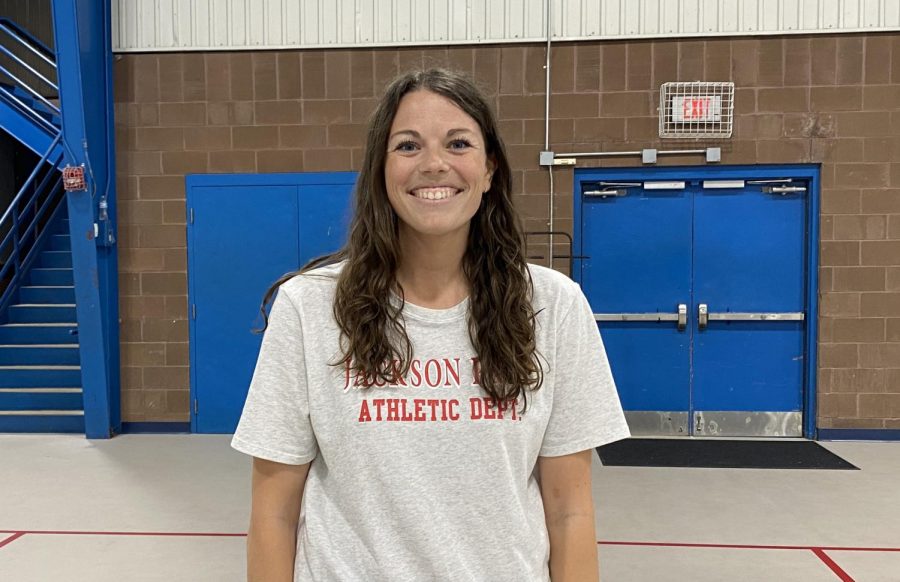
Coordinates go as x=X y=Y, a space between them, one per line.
x=592 y=12
x=689 y=13
x=892 y=15
x=631 y=18
x=729 y=22
x=178 y=25
x=790 y=14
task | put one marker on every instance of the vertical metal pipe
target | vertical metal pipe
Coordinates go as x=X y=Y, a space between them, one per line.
x=547 y=12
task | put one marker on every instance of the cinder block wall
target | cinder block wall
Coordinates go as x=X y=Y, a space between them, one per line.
x=828 y=99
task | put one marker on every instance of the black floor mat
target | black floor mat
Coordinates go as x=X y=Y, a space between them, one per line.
x=720 y=454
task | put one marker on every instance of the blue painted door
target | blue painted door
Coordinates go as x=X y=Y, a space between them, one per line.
x=245 y=232
x=733 y=259
x=638 y=249
x=749 y=264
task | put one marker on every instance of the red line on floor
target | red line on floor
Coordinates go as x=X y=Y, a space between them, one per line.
x=127 y=533
x=748 y=546
x=15 y=535
x=839 y=572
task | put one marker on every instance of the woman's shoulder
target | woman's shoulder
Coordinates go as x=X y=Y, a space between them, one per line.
x=317 y=282
x=554 y=292
x=549 y=282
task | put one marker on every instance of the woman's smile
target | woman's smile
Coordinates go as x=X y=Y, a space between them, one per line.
x=435 y=194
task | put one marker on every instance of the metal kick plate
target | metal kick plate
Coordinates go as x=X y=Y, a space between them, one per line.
x=657 y=423
x=748 y=424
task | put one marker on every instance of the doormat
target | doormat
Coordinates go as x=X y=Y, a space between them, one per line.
x=720 y=454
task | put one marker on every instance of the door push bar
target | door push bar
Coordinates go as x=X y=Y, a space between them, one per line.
x=680 y=317
x=704 y=316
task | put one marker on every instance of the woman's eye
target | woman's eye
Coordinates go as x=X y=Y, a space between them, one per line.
x=459 y=144
x=406 y=146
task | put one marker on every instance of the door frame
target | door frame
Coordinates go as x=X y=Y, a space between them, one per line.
x=809 y=172
x=207 y=180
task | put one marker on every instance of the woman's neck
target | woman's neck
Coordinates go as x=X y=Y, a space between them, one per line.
x=430 y=270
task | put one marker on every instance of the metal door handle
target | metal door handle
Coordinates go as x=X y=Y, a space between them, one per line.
x=703 y=316
x=680 y=317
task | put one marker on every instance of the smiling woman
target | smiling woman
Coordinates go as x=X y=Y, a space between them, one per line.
x=482 y=473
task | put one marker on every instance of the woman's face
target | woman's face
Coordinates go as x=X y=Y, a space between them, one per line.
x=436 y=169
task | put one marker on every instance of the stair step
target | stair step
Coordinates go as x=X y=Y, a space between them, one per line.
x=61 y=242
x=40 y=376
x=42 y=412
x=43 y=324
x=39 y=333
x=30 y=399
x=58 y=276
x=39 y=354
x=69 y=346
x=47 y=367
x=42 y=312
x=58 y=259
x=42 y=390
x=42 y=421
x=62 y=294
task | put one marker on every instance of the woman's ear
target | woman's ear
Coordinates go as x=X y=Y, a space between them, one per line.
x=491 y=166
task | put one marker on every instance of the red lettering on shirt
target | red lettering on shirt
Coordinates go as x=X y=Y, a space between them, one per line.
x=378 y=402
x=364 y=415
x=433 y=370
x=451 y=372
x=489 y=413
x=405 y=415
x=420 y=415
x=476 y=408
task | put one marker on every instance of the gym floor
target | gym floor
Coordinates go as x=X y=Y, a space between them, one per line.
x=175 y=507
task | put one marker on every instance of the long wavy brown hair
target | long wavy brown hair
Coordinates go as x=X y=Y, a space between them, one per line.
x=501 y=318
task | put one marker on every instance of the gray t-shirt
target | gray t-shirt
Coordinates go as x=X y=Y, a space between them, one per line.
x=424 y=478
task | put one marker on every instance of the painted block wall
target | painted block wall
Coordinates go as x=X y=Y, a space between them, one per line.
x=833 y=100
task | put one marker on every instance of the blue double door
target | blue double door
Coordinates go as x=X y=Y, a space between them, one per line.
x=699 y=289
x=244 y=232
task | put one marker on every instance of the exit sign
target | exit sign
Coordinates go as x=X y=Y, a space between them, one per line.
x=690 y=108
x=696 y=109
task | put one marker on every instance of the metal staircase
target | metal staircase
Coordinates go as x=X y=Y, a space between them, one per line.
x=40 y=372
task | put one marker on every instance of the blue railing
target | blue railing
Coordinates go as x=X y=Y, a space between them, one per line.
x=16 y=40
x=37 y=202
x=25 y=222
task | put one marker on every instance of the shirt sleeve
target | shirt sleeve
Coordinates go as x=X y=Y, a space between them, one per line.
x=275 y=424
x=586 y=409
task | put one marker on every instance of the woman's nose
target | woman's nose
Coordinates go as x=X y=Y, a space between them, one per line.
x=434 y=160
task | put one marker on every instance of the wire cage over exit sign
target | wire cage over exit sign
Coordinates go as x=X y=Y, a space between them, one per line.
x=697 y=109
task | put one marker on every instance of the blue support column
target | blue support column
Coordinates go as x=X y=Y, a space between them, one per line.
x=84 y=54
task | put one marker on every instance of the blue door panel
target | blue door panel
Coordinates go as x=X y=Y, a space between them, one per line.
x=749 y=250
x=638 y=260
x=638 y=251
x=325 y=217
x=244 y=238
x=749 y=257
x=248 y=231
x=646 y=371
x=749 y=366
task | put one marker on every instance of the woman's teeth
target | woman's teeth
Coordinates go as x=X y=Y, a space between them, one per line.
x=434 y=193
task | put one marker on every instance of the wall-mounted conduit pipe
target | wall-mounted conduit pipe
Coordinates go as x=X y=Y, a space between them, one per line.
x=547 y=13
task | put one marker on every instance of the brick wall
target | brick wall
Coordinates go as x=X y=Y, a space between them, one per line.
x=828 y=99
